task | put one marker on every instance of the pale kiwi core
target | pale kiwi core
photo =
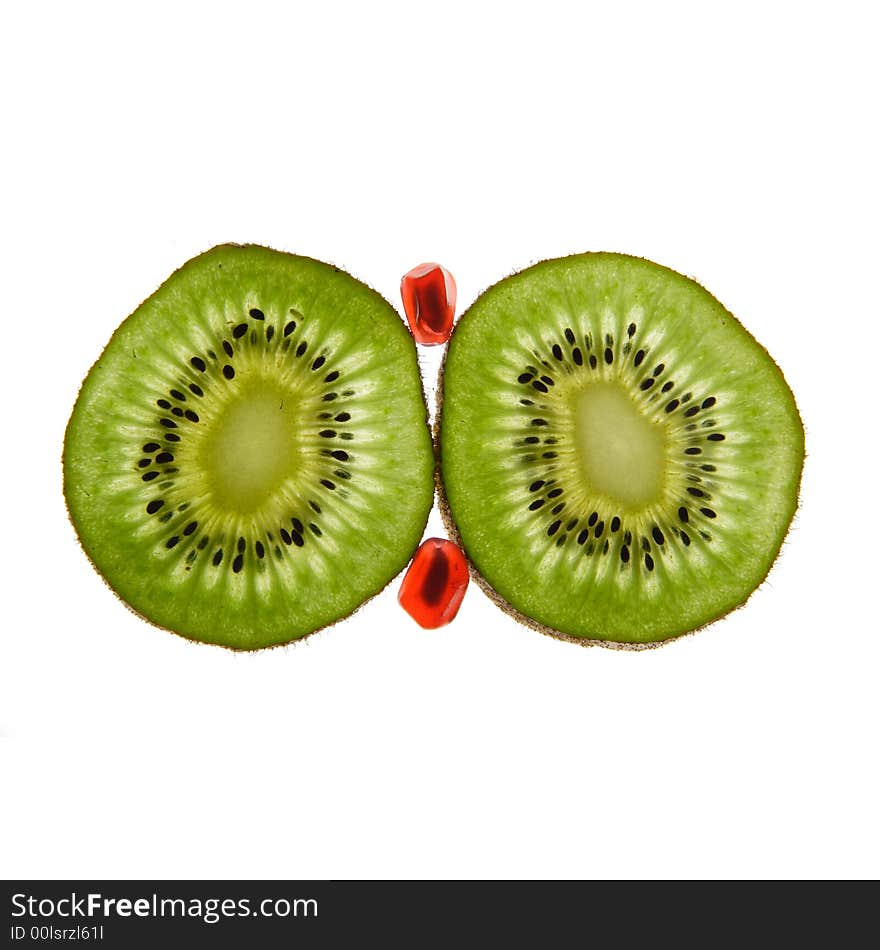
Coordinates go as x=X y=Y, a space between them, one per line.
x=621 y=452
x=252 y=449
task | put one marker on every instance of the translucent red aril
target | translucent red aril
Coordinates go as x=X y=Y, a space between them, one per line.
x=433 y=587
x=428 y=293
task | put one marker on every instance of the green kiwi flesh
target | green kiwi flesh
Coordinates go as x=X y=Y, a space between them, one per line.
x=620 y=458
x=249 y=459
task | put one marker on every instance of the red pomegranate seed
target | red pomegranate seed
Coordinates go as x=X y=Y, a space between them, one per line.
x=428 y=293
x=434 y=585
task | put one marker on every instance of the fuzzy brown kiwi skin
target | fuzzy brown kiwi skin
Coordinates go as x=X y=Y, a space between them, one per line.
x=181 y=636
x=489 y=590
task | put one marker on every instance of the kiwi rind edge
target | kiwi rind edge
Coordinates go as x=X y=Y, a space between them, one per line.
x=511 y=611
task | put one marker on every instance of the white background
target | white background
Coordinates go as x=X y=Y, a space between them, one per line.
x=735 y=143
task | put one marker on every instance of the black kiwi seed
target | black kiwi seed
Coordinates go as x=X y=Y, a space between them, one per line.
x=257 y=314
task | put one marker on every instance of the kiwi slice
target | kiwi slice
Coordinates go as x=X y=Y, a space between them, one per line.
x=620 y=458
x=249 y=460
